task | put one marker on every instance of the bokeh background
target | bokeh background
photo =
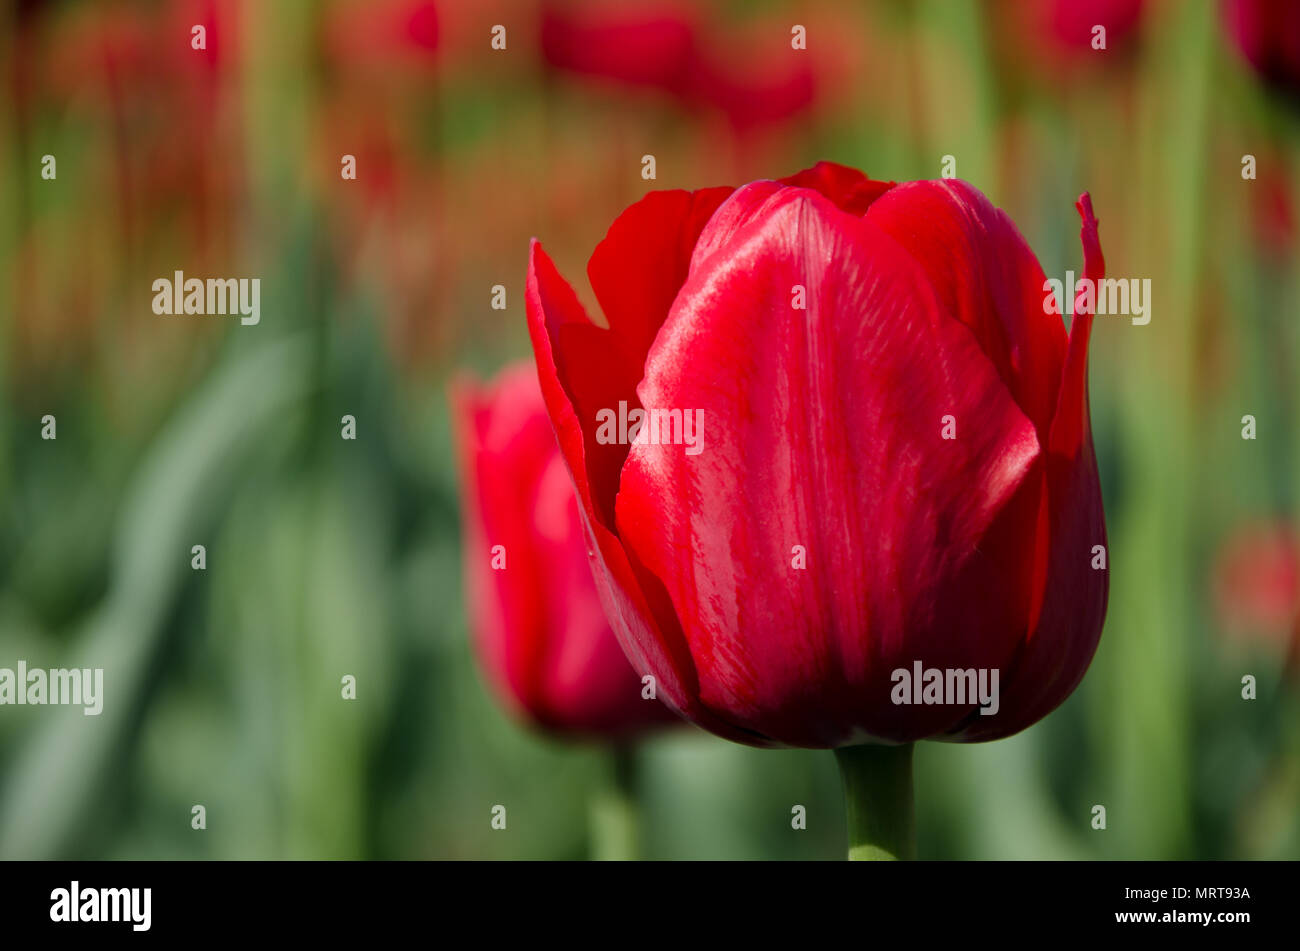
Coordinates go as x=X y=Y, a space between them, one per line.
x=327 y=557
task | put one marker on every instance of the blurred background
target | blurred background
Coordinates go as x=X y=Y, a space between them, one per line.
x=328 y=557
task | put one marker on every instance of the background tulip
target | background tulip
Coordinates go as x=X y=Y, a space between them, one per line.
x=540 y=629
x=824 y=427
x=669 y=46
x=1256 y=582
x=1267 y=33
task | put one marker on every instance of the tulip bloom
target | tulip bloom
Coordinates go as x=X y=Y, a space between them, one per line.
x=668 y=45
x=1054 y=41
x=896 y=464
x=1267 y=33
x=541 y=633
x=1256 y=582
x=383 y=36
x=1074 y=24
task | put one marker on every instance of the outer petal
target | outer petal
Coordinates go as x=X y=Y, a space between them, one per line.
x=639 y=267
x=892 y=522
x=637 y=606
x=636 y=272
x=1068 y=627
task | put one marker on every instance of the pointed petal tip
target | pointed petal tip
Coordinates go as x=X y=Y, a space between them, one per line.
x=1094 y=264
x=1084 y=205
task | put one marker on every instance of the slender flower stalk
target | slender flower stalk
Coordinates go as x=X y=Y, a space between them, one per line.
x=615 y=811
x=878 y=801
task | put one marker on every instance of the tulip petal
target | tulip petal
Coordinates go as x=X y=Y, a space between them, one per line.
x=638 y=608
x=847 y=188
x=639 y=267
x=573 y=345
x=988 y=278
x=892 y=525
x=636 y=272
x=1066 y=628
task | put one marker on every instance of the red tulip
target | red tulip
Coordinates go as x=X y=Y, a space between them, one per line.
x=1257 y=586
x=667 y=45
x=541 y=631
x=1272 y=208
x=1038 y=42
x=1073 y=23
x=822 y=428
x=384 y=36
x=1267 y=32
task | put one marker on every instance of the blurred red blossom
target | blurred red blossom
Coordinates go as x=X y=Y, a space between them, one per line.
x=539 y=627
x=1074 y=23
x=166 y=93
x=1267 y=34
x=671 y=46
x=1256 y=580
x=1051 y=40
x=382 y=34
x=1273 y=209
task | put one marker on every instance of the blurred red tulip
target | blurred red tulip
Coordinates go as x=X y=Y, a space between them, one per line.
x=1073 y=23
x=1050 y=41
x=819 y=435
x=666 y=45
x=1273 y=208
x=1257 y=586
x=382 y=34
x=1267 y=33
x=541 y=632
x=165 y=101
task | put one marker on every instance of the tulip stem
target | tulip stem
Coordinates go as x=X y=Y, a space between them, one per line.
x=615 y=817
x=878 y=800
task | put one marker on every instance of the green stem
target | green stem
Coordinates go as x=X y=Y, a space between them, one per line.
x=615 y=816
x=878 y=800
